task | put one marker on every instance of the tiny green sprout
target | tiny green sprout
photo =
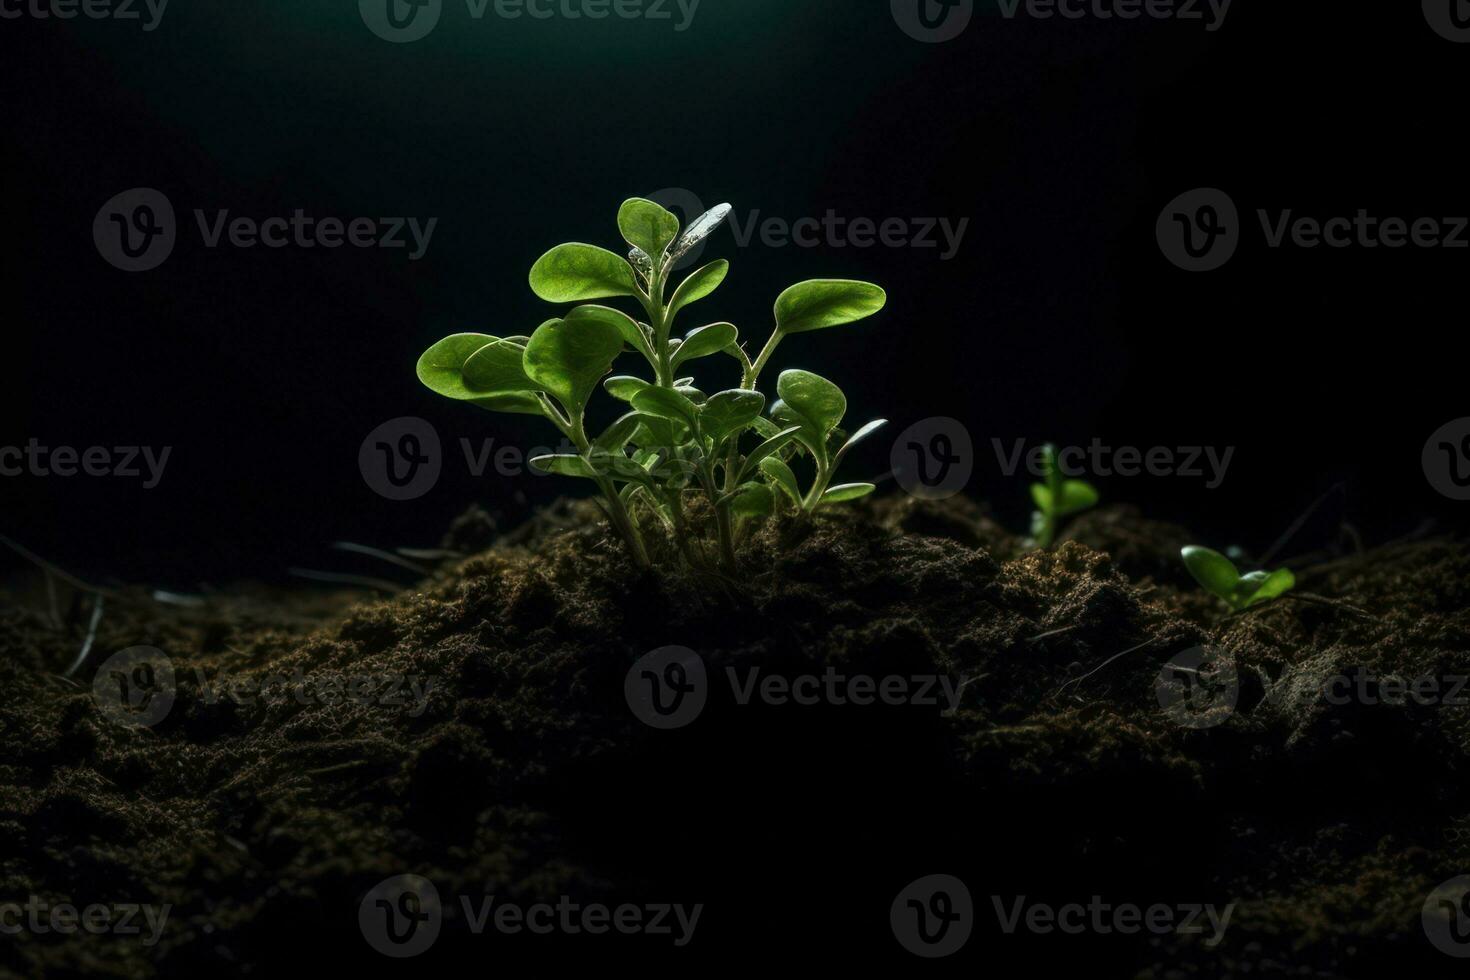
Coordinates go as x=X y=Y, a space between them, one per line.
x=1056 y=498
x=1219 y=575
x=673 y=439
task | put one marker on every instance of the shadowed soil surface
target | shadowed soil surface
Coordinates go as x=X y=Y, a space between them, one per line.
x=1023 y=750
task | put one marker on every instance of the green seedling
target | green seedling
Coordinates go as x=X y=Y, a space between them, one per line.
x=673 y=439
x=1219 y=575
x=1057 y=498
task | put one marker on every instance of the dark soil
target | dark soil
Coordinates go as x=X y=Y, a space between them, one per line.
x=528 y=777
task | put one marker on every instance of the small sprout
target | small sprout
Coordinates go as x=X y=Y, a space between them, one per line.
x=1057 y=498
x=1219 y=575
x=673 y=439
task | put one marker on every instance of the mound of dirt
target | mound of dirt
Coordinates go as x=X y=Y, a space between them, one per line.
x=888 y=693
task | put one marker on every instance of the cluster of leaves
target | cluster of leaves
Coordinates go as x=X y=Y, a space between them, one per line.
x=674 y=439
x=1219 y=575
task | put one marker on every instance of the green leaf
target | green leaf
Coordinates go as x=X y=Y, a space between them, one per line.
x=666 y=403
x=766 y=450
x=575 y=272
x=616 y=436
x=568 y=358
x=565 y=465
x=821 y=303
x=1077 y=495
x=627 y=327
x=497 y=368
x=730 y=411
x=781 y=474
x=814 y=397
x=1264 y=588
x=860 y=435
x=808 y=434
x=441 y=368
x=752 y=500
x=513 y=403
x=847 y=491
x=648 y=226
x=700 y=283
x=705 y=341
x=1211 y=569
x=617 y=466
x=1041 y=496
x=623 y=387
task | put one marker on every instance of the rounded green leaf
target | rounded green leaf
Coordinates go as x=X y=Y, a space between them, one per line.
x=779 y=473
x=512 y=402
x=568 y=358
x=1211 y=569
x=623 y=387
x=626 y=326
x=1077 y=496
x=666 y=403
x=616 y=436
x=847 y=491
x=729 y=411
x=753 y=500
x=705 y=341
x=441 y=368
x=575 y=272
x=497 y=368
x=1265 y=587
x=565 y=465
x=648 y=226
x=701 y=282
x=821 y=303
x=814 y=397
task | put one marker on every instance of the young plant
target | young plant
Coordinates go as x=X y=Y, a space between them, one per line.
x=673 y=440
x=1056 y=498
x=1219 y=575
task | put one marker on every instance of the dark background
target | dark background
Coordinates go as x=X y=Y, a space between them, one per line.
x=1059 y=319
